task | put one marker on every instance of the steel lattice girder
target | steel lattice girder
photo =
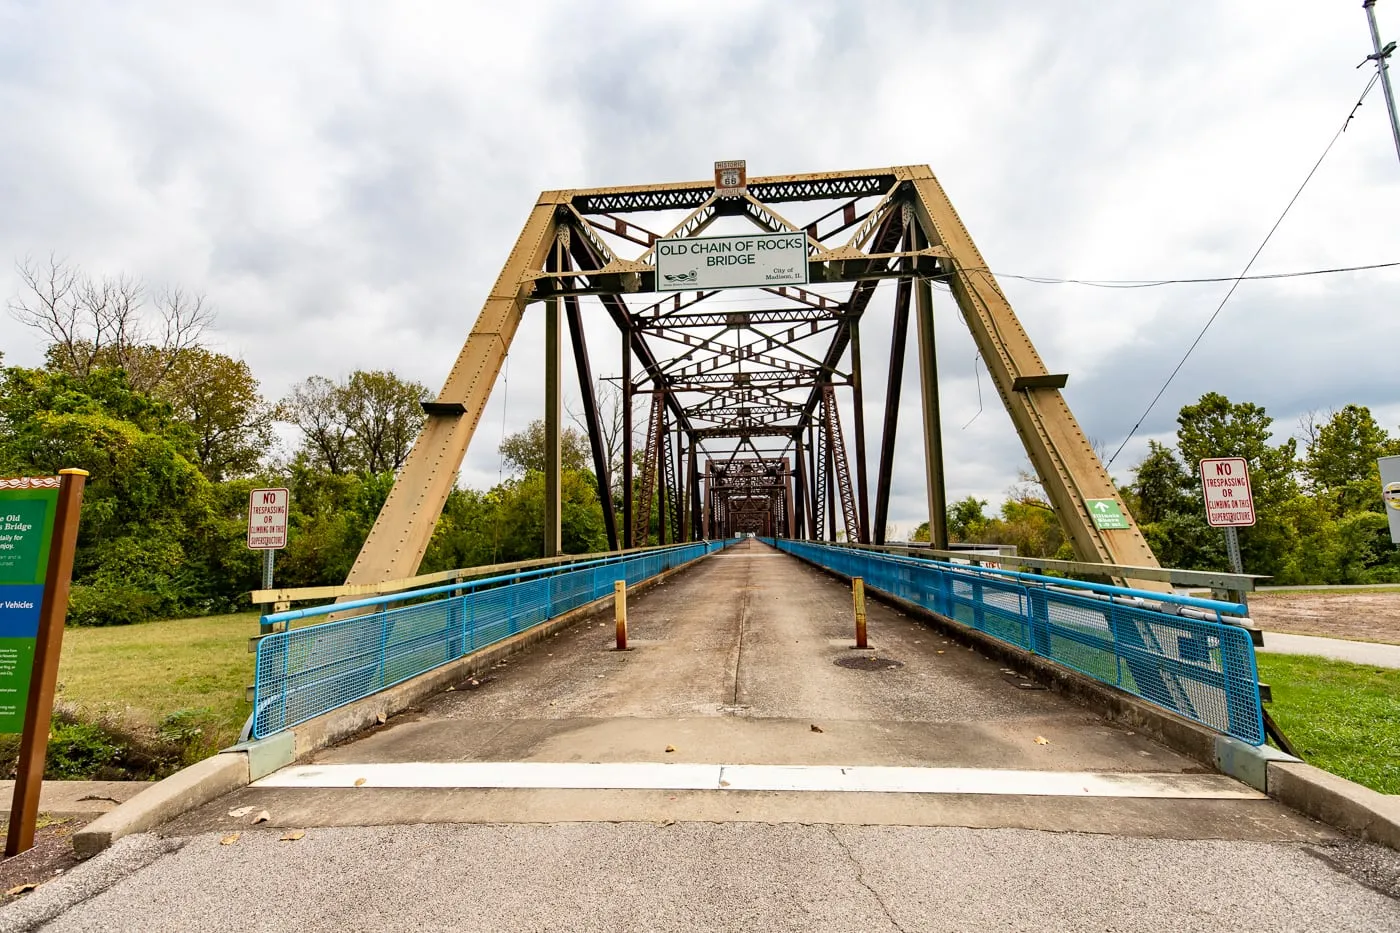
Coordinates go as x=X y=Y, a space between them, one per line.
x=873 y=211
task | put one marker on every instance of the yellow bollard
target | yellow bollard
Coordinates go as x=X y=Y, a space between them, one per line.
x=858 y=593
x=620 y=613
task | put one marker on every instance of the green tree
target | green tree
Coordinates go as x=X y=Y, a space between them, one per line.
x=1161 y=486
x=966 y=520
x=365 y=424
x=1216 y=427
x=143 y=543
x=524 y=450
x=385 y=414
x=218 y=398
x=314 y=406
x=1340 y=461
x=1030 y=525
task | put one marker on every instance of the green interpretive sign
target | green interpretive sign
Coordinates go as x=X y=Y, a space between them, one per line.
x=1107 y=514
x=27 y=508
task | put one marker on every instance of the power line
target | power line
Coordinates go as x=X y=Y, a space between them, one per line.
x=1236 y=282
x=1153 y=283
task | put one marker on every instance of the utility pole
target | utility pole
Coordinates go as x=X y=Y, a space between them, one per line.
x=1379 y=57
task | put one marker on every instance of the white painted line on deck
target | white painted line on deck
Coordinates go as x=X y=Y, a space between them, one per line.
x=805 y=778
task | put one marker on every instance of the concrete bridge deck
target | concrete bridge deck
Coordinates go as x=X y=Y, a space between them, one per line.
x=735 y=664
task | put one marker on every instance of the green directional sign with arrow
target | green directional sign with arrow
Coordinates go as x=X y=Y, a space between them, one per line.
x=1107 y=514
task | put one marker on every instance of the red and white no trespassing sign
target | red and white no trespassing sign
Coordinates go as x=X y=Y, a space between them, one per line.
x=267 y=519
x=1229 y=503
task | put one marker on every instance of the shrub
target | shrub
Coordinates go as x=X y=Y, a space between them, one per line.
x=80 y=751
x=110 y=605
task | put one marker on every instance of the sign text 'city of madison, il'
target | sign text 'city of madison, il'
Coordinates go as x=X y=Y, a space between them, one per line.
x=751 y=260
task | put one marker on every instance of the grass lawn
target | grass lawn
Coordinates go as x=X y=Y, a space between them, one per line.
x=141 y=674
x=1342 y=717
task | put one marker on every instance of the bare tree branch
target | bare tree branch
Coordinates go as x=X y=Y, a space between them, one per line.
x=104 y=322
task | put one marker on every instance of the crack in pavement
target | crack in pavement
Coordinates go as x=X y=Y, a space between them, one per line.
x=743 y=619
x=860 y=878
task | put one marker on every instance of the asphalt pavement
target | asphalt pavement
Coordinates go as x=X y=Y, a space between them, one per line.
x=583 y=877
x=1371 y=653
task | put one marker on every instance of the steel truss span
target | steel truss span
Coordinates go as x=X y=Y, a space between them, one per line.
x=749 y=395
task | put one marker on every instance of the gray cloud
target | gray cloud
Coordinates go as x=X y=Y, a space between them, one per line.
x=345 y=182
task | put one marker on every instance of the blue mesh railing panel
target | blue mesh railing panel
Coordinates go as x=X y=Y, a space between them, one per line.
x=305 y=672
x=1203 y=670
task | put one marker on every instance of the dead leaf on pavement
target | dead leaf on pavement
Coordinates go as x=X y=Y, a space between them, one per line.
x=380 y=719
x=1041 y=740
x=293 y=835
x=262 y=817
x=230 y=839
x=668 y=822
x=359 y=782
x=940 y=650
x=816 y=728
x=23 y=888
x=241 y=812
x=670 y=748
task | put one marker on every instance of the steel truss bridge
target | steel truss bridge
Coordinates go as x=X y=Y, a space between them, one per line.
x=742 y=389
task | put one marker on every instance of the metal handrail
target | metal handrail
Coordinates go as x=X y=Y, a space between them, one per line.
x=461 y=574
x=463 y=586
x=1217 y=607
x=1211 y=579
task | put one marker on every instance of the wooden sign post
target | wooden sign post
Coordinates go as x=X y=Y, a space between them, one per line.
x=38 y=535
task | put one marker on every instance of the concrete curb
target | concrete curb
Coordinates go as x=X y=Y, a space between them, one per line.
x=1319 y=794
x=182 y=791
x=246 y=762
x=1336 y=801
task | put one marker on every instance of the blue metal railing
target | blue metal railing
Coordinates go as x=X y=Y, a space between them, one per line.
x=304 y=672
x=1203 y=669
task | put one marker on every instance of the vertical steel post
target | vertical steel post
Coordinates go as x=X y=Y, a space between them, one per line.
x=601 y=468
x=1232 y=549
x=789 y=512
x=799 y=501
x=627 y=493
x=1379 y=57
x=705 y=504
x=38 y=712
x=899 y=338
x=553 y=410
x=693 y=489
x=814 y=490
x=933 y=427
x=268 y=558
x=830 y=491
x=858 y=399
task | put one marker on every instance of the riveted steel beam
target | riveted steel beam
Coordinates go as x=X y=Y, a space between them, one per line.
x=399 y=537
x=1062 y=456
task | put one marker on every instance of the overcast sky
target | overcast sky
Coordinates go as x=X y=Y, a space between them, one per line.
x=344 y=180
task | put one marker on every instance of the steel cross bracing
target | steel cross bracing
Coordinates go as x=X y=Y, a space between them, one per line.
x=756 y=375
x=651 y=461
x=840 y=470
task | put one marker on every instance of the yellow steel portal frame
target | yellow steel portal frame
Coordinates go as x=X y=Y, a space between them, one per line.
x=894 y=223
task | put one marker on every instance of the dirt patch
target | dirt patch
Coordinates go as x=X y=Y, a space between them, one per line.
x=51 y=856
x=1359 y=616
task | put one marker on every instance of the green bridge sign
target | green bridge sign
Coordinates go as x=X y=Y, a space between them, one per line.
x=1107 y=514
